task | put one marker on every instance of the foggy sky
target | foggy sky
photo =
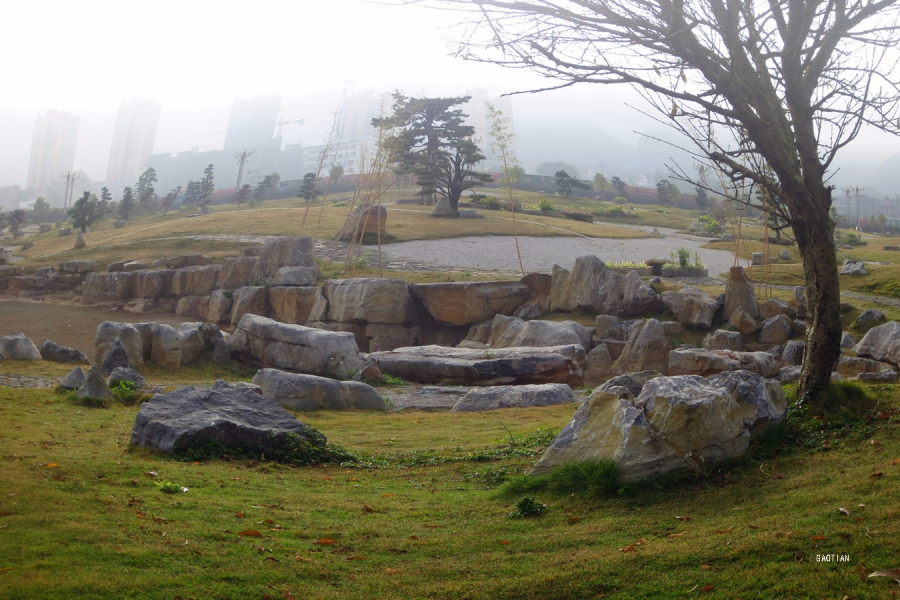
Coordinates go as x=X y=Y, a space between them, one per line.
x=195 y=57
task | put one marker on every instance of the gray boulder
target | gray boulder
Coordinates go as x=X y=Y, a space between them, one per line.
x=295 y=276
x=591 y=285
x=792 y=355
x=632 y=383
x=851 y=367
x=236 y=272
x=74 y=380
x=514 y=396
x=847 y=340
x=854 y=268
x=50 y=350
x=774 y=307
x=282 y=252
x=128 y=337
x=456 y=304
x=878 y=341
x=739 y=294
x=721 y=339
x=17 y=346
x=308 y=392
x=742 y=321
x=237 y=419
x=166 y=347
x=691 y=307
x=461 y=366
x=761 y=400
x=885 y=376
x=508 y=332
x=789 y=374
x=798 y=301
x=248 y=300
x=116 y=357
x=696 y=361
x=94 y=386
x=364 y=300
x=647 y=349
x=868 y=318
x=220 y=305
x=675 y=423
x=78 y=267
x=121 y=374
x=268 y=343
x=599 y=365
x=776 y=330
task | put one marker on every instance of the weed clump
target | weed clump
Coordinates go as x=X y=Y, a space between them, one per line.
x=527 y=508
x=592 y=478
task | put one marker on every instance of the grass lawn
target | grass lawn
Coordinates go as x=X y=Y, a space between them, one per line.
x=81 y=516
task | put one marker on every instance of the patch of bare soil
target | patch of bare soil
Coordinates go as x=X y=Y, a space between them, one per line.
x=70 y=325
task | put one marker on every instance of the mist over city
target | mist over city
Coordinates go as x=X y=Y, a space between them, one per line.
x=269 y=82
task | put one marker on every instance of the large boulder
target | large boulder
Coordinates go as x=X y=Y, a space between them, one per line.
x=851 y=367
x=50 y=350
x=268 y=343
x=74 y=379
x=127 y=335
x=696 y=361
x=292 y=305
x=774 y=307
x=166 y=348
x=309 y=392
x=599 y=365
x=691 y=307
x=248 y=300
x=234 y=418
x=776 y=330
x=461 y=366
x=854 y=267
x=117 y=357
x=296 y=276
x=647 y=349
x=514 y=396
x=282 y=252
x=739 y=294
x=236 y=272
x=878 y=341
x=591 y=285
x=94 y=386
x=220 y=305
x=742 y=321
x=469 y=303
x=107 y=287
x=121 y=374
x=629 y=384
x=151 y=284
x=868 y=319
x=761 y=400
x=193 y=306
x=508 y=332
x=798 y=301
x=792 y=355
x=195 y=281
x=720 y=339
x=78 y=267
x=363 y=224
x=17 y=346
x=185 y=260
x=364 y=300
x=675 y=423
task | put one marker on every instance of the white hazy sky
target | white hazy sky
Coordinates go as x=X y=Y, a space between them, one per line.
x=195 y=56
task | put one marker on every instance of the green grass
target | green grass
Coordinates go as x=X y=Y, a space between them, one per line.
x=81 y=516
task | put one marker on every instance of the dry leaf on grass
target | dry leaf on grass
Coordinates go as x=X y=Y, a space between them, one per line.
x=844 y=511
x=325 y=542
x=390 y=571
x=891 y=573
x=250 y=533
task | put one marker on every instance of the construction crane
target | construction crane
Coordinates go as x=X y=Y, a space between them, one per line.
x=282 y=123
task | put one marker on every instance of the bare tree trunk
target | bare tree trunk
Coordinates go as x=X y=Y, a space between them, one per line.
x=815 y=239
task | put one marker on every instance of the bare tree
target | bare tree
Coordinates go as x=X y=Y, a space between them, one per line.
x=792 y=81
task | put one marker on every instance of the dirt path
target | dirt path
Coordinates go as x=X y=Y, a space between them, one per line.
x=70 y=325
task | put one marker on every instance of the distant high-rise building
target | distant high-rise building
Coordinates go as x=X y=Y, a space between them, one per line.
x=252 y=123
x=478 y=118
x=52 y=149
x=133 y=139
x=357 y=113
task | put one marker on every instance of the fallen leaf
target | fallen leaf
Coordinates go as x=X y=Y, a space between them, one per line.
x=818 y=538
x=5 y=514
x=725 y=531
x=301 y=559
x=239 y=515
x=574 y=519
x=356 y=557
x=267 y=521
x=505 y=542
x=414 y=537
x=272 y=558
x=844 y=511
x=2 y=569
x=892 y=573
x=250 y=533
x=391 y=571
x=627 y=548
x=876 y=475
x=325 y=542
x=707 y=588
x=152 y=473
x=706 y=567
x=861 y=572
x=685 y=519
x=896 y=461
x=367 y=508
x=388 y=495
x=52 y=465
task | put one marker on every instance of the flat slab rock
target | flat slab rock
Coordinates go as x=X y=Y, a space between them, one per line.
x=235 y=417
x=309 y=392
x=514 y=396
x=463 y=366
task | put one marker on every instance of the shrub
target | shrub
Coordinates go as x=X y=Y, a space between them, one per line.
x=616 y=210
x=593 y=478
x=710 y=225
x=527 y=508
x=546 y=206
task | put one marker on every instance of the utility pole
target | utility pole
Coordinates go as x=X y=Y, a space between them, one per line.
x=242 y=159
x=70 y=179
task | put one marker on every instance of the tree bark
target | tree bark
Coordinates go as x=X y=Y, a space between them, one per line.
x=814 y=233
